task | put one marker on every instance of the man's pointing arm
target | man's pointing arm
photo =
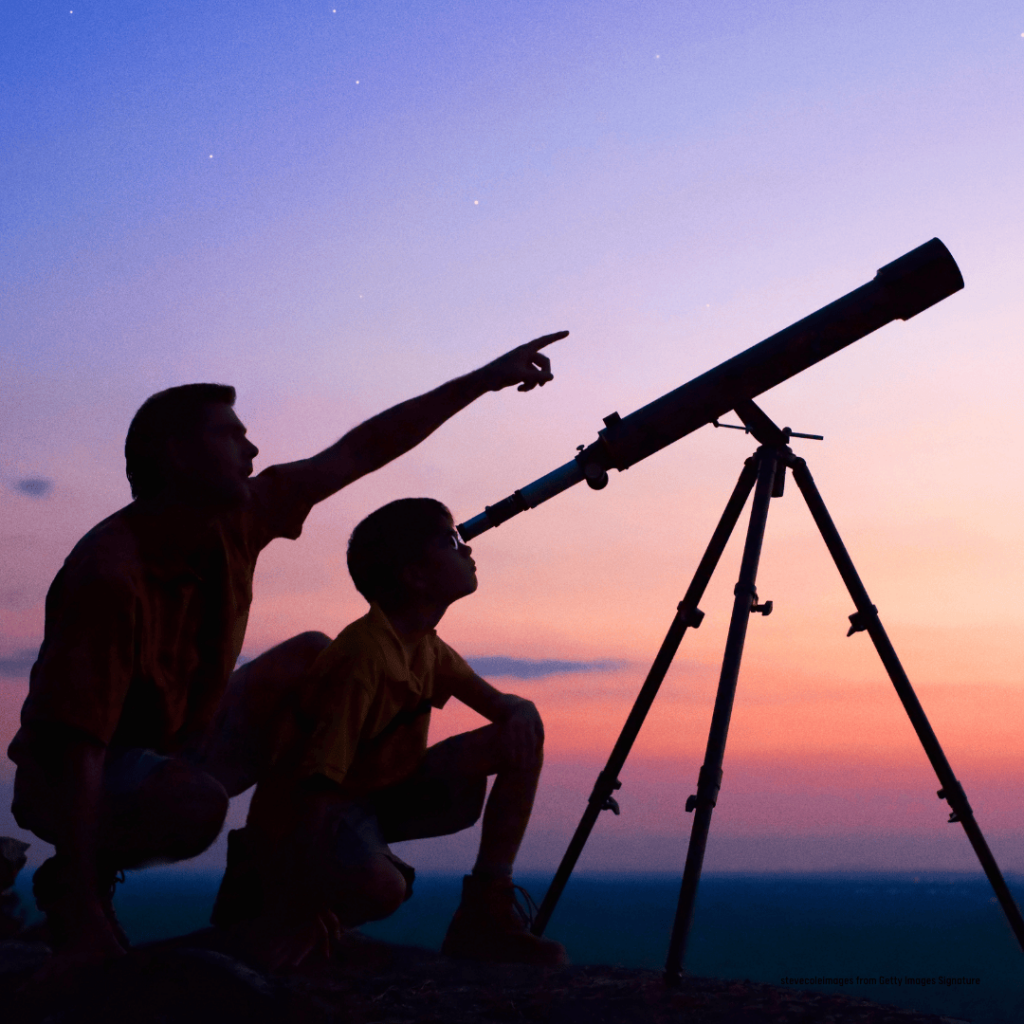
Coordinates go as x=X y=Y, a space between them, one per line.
x=395 y=431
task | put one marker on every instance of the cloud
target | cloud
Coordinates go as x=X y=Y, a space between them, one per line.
x=16 y=665
x=529 y=668
x=34 y=486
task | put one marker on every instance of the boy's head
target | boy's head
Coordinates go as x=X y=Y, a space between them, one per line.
x=408 y=551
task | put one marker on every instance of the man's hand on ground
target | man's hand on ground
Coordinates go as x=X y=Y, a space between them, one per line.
x=91 y=941
x=525 y=365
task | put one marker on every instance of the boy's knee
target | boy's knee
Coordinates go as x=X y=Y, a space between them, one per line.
x=517 y=754
x=387 y=885
x=381 y=888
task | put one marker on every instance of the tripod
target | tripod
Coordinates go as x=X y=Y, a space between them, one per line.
x=764 y=473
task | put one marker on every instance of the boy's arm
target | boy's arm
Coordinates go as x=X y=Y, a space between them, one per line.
x=525 y=732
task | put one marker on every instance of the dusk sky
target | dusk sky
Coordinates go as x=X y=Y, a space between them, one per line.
x=337 y=205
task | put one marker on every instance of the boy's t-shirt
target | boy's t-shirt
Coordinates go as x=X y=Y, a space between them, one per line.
x=364 y=713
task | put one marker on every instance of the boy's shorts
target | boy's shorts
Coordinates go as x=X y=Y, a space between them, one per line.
x=434 y=801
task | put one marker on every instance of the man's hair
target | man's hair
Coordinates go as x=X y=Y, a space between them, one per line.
x=171 y=414
x=389 y=540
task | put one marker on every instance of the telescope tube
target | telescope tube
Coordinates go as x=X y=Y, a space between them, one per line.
x=899 y=290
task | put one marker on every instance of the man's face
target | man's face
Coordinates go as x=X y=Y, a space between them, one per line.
x=216 y=462
x=446 y=571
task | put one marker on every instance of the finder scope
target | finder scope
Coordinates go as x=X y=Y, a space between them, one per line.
x=900 y=290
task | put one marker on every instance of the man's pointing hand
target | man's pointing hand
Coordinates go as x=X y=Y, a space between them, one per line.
x=525 y=365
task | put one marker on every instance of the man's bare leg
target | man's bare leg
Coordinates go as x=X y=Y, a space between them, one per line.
x=241 y=742
x=177 y=809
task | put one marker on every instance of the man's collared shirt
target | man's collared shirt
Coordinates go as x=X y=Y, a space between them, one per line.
x=142 y=632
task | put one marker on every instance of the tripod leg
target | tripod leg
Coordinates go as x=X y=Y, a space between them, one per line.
x=710 y=777
x=867 y=619
x=687 y=614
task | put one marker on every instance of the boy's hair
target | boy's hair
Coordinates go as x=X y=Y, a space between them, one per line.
x=174 y=413
x=390 y=539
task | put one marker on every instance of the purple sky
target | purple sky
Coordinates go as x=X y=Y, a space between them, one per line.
x=337 y=205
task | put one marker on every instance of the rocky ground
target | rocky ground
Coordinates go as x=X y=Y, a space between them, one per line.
x=196 y=980
x=192 y=981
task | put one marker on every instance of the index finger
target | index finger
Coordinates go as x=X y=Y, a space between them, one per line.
x=547 y=339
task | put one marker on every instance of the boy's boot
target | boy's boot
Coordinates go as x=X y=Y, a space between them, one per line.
x=49 y=887
x=491 y=924
x=240 y=895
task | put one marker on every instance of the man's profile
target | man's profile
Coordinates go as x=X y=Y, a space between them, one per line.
x=137 y=728
x=353 y=771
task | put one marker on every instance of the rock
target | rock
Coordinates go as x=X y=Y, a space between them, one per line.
x=12 y=860
x=172 y=986
x=20 y=958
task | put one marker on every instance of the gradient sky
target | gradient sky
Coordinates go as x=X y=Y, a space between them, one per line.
x=336 y=205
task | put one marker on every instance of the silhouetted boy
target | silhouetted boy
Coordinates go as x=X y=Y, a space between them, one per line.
x=355 y=773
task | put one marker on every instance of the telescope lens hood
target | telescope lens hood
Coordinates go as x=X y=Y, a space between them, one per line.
x=920 y=278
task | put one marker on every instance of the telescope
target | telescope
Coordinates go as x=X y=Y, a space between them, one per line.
x=899 y=290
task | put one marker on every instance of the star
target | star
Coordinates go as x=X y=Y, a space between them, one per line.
x=476 y=202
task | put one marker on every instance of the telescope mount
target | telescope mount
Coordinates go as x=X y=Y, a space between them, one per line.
x=764 y=473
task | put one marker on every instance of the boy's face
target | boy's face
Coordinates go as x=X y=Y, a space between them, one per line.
x=446 y=571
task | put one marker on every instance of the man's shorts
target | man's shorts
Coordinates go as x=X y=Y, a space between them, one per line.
x=37 y=804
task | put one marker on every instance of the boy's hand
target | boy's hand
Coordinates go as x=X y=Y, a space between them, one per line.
x=522 y=732
x=523 y=735
x=525 y=365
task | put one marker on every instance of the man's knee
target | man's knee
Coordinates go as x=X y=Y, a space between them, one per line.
x=309 y=645
x=183 y=808
x=242 y=740
x=292 y=657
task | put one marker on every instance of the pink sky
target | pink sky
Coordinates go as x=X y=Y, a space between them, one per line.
x=672 y=184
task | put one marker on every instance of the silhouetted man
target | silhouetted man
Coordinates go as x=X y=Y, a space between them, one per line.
x=136 y=731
